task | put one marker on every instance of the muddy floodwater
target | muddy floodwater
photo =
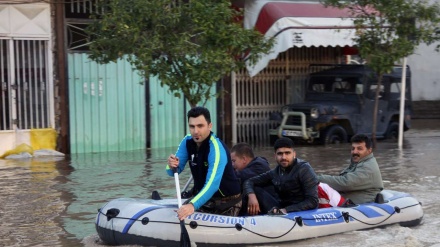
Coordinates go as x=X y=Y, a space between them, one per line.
x=53 y=202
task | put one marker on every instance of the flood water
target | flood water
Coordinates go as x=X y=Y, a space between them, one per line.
x=53 y=202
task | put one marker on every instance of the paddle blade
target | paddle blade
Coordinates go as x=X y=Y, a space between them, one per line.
x=155 y=195
x=184 y=236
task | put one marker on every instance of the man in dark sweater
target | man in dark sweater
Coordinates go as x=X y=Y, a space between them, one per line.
x=245 y=163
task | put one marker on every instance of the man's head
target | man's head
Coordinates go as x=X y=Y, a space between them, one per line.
x=361 y=146
x=241 y=155
x=199 y=122
x=284 y=153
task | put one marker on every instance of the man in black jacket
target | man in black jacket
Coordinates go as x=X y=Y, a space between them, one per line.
x=294 y=180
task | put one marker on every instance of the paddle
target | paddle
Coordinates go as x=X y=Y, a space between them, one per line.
x=184 y=237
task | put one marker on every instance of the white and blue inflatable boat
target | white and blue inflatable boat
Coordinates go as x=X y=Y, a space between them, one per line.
x=149 y=222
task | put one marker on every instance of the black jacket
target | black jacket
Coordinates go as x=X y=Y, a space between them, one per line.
x=296 y=186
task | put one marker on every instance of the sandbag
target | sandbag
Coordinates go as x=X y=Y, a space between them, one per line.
x=22 y=148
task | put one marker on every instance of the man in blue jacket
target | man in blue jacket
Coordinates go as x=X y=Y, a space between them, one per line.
x=215 y=182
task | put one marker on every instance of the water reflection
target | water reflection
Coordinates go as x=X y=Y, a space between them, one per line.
x=29 y=203
x=97 y=178
x=52 y=202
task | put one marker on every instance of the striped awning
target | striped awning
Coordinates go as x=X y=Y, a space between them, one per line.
x=297 y=24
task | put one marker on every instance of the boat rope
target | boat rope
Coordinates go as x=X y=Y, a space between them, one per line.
x=346 y=216
x=239 y=227
x=396 y=210
x=144 y=220
x=194 y=225
x=264 y=236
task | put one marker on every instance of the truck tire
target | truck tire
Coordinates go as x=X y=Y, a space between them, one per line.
x=392 y=131
x=334 y=134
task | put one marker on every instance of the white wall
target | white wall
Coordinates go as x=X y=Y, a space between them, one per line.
x=425 y=64
x=11 y=139
x=425 y=67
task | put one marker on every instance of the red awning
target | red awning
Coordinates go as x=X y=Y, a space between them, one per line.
x=296 y=24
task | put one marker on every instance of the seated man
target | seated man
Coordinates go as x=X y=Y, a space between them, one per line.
x=294 y=180
x=361 y=181
x=245 y=163
x=216 y=187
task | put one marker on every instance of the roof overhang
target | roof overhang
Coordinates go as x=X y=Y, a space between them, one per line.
x=297 y=24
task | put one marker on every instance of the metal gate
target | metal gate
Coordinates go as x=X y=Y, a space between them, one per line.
x=107 y=106
x=280 y=83
x=26 y=91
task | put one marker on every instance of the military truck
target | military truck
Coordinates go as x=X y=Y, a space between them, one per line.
x=339 y=103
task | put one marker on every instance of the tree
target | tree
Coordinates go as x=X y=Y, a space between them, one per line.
x=389 y=30
x=188 y=44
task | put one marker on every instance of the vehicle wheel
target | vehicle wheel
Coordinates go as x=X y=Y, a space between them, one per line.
x=335 y=134
x=392 y=131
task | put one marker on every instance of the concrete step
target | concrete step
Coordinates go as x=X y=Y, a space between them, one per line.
x=426 y=109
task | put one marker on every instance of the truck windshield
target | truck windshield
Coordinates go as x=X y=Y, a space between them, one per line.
x=332 y=84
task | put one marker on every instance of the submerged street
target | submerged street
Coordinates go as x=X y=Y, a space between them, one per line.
x=53 y=201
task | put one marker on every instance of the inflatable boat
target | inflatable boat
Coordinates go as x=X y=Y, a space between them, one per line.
x=149 y=222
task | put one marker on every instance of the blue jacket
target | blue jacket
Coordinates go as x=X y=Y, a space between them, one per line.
x=211 y=168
